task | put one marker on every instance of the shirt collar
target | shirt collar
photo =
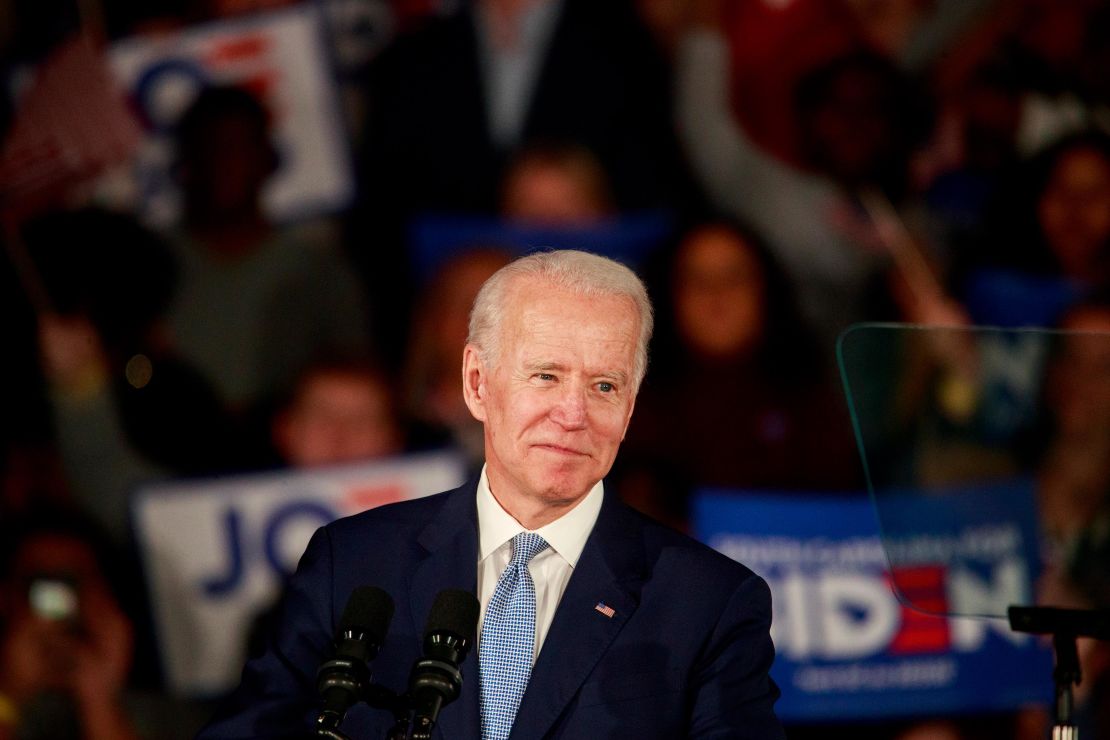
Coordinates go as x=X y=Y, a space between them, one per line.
x=566 y=535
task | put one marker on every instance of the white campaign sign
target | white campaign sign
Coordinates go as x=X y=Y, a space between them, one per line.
x=281 y=56
x=215 y=551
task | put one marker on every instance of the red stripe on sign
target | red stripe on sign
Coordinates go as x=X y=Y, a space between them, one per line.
x=244 y=47
x=367 y=497
x=924 y=628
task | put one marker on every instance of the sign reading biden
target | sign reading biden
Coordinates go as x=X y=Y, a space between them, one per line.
x=216 y=552
x=846 y=646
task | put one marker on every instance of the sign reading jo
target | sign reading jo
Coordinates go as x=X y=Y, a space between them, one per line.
x=217 y=552
x=282 y=533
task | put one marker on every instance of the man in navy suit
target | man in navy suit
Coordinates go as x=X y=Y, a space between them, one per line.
x=636 y=631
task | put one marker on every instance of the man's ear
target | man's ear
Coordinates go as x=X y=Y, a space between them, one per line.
x=474 y=382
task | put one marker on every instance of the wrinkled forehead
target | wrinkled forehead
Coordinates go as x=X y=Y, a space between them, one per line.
x=548 y=316
x=530 y=295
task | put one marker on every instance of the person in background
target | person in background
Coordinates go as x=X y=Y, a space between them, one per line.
x=773 y=420
x=340 y=411
x=859 y=123
x=1073 y=209
x=455 y=101
x=1047 y=240
x=124 y=405
x=1075 y=472
x=774 y=43
x=556 y=185
x=65 y=642
x=256 y=301
x=1056 y=51
x=1073 y=488
x=1057 y=220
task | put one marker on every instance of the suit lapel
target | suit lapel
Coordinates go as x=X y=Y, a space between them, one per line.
x=451 y=543
x=610 y=570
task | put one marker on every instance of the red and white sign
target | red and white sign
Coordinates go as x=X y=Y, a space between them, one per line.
x=280 y=56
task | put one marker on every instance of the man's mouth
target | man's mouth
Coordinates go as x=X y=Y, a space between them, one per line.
x=560 y=450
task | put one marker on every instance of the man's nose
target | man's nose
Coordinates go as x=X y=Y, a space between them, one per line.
x=570 y=407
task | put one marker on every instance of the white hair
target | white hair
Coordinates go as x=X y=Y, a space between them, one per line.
x=581 y=273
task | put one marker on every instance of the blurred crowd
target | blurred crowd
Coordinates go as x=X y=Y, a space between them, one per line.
x=815 y=163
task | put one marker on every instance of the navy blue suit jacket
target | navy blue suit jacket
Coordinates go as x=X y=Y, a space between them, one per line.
x=685 y=654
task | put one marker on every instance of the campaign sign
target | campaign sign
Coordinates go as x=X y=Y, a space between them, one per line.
x=847 y=648
x=216 y=551
x=280 y=56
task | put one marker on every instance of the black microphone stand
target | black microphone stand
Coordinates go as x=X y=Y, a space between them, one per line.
x=413 y=719
x=1065 y=625
x=376 y=696
x=382 y=698
x=435 y=681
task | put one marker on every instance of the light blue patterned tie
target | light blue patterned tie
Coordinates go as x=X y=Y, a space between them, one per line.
x=508 y=639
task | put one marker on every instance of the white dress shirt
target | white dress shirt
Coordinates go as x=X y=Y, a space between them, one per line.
x=550 y=570
x=510 y=73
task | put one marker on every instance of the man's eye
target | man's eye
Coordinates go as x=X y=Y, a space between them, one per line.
x=606 y=387
x=546 y=377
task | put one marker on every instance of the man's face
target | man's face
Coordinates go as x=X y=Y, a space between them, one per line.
x=557 y=400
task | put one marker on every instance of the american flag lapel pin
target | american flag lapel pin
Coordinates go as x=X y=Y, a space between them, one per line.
x=606 y=610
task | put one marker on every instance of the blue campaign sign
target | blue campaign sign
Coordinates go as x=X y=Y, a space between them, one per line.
x=629 y=238
x=847 y=647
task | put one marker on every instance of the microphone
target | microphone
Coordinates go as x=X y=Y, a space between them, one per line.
x=436 y=679
x=343 y=680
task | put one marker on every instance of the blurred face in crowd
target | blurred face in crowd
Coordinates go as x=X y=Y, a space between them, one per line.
x=848 y=132
x=1074 y=211
x=1080 y=387
x=551 y=192
x=338 y=417
x=55 y=590
x=556 y=401
x=718 y=293
x=225 y=173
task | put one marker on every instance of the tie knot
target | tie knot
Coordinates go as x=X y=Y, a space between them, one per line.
x=526 y=546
